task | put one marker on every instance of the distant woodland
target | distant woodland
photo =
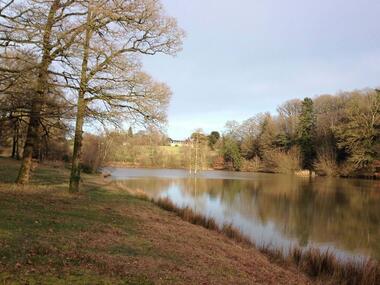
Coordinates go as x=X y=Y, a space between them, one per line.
x=333 y=135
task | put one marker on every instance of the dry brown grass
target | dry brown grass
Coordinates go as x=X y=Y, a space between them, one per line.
x=187 y=214
x=322 y=266
x=190 y=216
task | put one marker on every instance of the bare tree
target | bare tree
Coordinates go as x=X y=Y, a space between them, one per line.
x=110 y=83
x=16 y=102
x=46 y=29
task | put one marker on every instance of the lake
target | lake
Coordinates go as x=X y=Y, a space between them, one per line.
x=341 y=215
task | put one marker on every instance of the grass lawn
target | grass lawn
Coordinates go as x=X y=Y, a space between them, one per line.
x=105 y=236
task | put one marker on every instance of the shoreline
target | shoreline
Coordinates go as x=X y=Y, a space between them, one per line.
x=104 y=235
x=323 y=266
x=126 y=166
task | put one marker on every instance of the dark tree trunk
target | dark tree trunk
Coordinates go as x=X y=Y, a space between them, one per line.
x=47 y=152
x=81 y=112
x=76 y=167
x=31 y=143
x=14 y=142
x=15 y=139
x=18 y=142
x=32 y=137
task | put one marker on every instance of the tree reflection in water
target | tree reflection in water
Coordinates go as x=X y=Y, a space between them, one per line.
x=341 y=214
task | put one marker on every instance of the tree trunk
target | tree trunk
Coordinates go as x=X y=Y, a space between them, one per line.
x=47 y=148
x=14 y=140
x=32 y=137
x=75 y=167
x=81 y=112
x=15 y=143
x=18 y=140
x=31 y=143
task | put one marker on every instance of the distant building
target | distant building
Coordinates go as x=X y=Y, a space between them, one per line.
x=177 y=143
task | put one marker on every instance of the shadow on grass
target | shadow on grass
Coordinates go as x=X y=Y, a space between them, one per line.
x=63 y=234
x=48 y=236
x=8 y=170
x=42 y=175
x=47 y=176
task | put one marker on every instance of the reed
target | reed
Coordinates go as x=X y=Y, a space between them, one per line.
x=324 y=265
x=319 y=265
x=235 y=234
x=187 y=214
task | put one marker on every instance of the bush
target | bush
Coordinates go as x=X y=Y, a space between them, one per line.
x=218 y=162
x=326 y=164
x=280 y=161
x=347 y=169
x=253 y=165
x=94 y=152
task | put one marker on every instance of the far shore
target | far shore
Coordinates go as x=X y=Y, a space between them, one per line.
x=300 y=173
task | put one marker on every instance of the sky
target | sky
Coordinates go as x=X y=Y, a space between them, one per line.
x=244 y=57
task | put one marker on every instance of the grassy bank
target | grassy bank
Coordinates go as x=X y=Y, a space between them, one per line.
x=323 y=267
x=106 y=236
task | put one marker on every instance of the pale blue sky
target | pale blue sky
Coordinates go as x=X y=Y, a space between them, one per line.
x=243 y=57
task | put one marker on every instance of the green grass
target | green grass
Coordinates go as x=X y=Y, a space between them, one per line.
x=50 y=237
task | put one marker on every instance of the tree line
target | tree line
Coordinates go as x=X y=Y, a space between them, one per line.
x=65 y=61
x=334 y=135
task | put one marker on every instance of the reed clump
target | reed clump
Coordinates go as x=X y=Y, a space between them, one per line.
x=324 y=265
x=235 y=234
x=319 y=265
x=275 y=254
x=187 y=214
x=190 y=216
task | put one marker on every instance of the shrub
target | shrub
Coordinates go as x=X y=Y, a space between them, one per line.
x=218 y=162
x=326 y=164
x=253 y=165
x=347 y=169
x=283 y=162
x=94 y=152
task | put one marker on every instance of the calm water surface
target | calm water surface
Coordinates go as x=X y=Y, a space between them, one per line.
x=342 y=215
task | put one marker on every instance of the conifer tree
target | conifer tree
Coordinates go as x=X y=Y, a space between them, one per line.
x=306 y=133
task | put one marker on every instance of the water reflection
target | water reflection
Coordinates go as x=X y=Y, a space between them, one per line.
x=340 y=214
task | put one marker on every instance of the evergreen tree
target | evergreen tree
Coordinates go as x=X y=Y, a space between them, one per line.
x=306 y=133
x=213 y=138
x=231 y=153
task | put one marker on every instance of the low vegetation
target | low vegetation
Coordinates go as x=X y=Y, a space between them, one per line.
x=322 y=266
